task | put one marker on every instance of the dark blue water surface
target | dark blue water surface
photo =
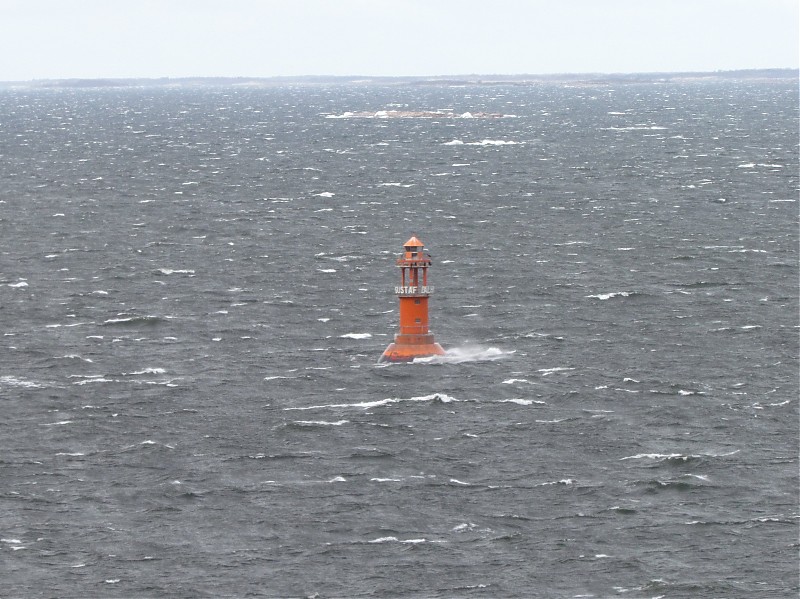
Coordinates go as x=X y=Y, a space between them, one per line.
x=196 y=285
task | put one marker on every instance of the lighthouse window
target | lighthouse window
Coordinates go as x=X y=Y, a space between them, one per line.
x=416 y=301
x=418 y=320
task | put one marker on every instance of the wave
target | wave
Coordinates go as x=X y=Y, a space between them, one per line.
x=92 y=378
x=396 y=540
x=433 y=397
x=12 y=381
x=418 y=114
x=316 y=423
x=677 y=457
x=763 y=164
x=520 y=401
x=175 y=271
x=563 y=481
x=657 y=485
x=470 y=353
x=635 y=128
x=483 y=142
x=549 y=371
x=302 y=455
x=612 y=294
x=73 y=357
x=145 y=371
x=777 y=519
x=14 y=544
x=147 y=443
x=131 y=319
x=88 y=379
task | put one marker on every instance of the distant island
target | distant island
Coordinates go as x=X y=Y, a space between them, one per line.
x=449 y=80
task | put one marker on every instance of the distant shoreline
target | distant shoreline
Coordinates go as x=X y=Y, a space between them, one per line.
x=443 y=80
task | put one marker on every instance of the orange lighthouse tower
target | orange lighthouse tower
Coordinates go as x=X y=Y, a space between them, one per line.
x=414 y=340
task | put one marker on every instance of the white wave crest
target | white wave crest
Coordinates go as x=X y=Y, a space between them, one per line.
x=549 y=371
x=635 y=128
x=356 y=336
x=605 y=296
x=494 y=142
x=396 y=540
x=93 y=379
x=677 y=456
x=563 y=481
x=656 y=456
x=440 y=397
x=12 y=381
x=458 y=355
x=176 y=271
x=520 y=401
x=146 y=371
x=483 y=142
x=74 y=357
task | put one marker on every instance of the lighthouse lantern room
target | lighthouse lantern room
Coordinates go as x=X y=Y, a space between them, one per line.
x=414 y=340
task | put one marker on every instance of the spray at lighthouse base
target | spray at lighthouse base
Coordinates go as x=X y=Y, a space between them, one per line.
x=414 y=339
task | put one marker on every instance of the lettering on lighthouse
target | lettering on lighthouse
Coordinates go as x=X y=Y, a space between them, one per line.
x=414 y=290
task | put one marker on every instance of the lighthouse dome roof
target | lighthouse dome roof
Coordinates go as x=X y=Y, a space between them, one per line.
x=413 y=242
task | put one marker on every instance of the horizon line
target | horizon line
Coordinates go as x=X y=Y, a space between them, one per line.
x=491 y=76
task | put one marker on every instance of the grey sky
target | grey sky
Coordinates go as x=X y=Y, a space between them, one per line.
x=262 y=38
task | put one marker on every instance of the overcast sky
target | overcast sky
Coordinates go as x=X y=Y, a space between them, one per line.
x=262 y=38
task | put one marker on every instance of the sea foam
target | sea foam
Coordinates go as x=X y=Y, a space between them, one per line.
x=470 y=353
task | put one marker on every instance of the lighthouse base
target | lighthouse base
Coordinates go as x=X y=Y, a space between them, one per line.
x=408 y=347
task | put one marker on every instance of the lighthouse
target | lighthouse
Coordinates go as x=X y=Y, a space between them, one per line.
x=414 y=340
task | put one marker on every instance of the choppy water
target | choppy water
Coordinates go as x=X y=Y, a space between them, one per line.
x=195 y=287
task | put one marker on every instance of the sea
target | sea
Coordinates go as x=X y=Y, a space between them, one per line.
x=197 y=282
